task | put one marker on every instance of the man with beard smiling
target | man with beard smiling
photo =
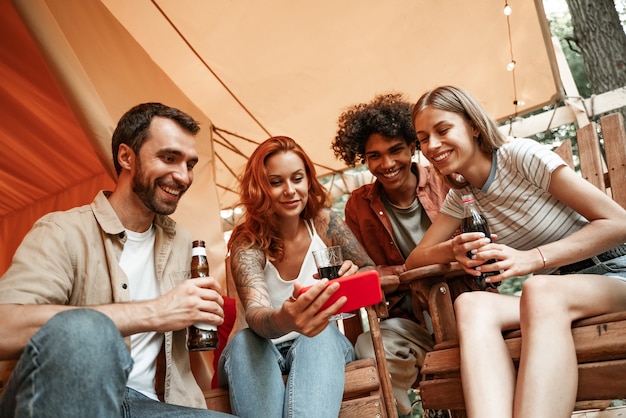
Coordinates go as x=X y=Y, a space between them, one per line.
x=389 y=218
x=96 y=294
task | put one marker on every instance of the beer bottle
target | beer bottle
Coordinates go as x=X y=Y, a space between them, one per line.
x=201 y=336
x=474 y=221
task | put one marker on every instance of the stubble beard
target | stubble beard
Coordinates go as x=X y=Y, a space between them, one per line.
x=147 y=193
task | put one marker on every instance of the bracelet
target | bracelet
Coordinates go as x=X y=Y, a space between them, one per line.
x=542 y=258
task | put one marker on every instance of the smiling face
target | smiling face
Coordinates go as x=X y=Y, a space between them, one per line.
x=288 y=182
x=163 y=170
x=447 y=140
x=389 y=160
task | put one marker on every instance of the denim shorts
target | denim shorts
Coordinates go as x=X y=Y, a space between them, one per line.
x=615 y=267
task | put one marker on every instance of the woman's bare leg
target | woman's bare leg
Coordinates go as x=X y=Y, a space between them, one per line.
x=487 y=371
x=548 y=371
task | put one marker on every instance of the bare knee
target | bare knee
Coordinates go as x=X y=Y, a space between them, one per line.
x=472 y=308
x=541 y=298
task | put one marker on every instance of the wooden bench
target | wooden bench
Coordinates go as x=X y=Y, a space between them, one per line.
x=600 y=341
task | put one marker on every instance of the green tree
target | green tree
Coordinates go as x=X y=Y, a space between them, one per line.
x=600 y=37
x=562 y=27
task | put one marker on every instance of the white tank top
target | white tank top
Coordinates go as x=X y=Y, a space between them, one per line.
x=280 y=289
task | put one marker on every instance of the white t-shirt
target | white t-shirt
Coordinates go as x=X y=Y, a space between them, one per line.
x=137 y=261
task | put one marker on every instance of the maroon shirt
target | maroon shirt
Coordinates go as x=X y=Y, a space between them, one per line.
x=367 y=218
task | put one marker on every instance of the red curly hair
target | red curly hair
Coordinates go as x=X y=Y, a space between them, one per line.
x=259 y=227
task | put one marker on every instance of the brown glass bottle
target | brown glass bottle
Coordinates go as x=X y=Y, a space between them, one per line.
x=474 y=221
x=201 y=336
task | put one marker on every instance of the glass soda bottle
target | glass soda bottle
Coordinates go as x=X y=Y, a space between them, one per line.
x=200 y=336
x=474 y=221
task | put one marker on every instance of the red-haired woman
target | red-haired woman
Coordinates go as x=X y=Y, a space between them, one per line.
x=286 y=219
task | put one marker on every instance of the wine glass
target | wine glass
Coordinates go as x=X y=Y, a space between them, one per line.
x=328 y=261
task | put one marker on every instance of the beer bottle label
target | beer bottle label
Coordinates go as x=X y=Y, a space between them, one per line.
x=198 y=251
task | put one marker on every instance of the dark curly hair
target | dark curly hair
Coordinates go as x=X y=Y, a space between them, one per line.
x=387 y=114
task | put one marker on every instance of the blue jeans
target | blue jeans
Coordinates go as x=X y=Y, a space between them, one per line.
x=77 y=365
x=137 y=404
x=253 y=368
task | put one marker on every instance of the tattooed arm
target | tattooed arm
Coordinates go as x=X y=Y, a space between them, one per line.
x=334 y=231
x=247 y=269
x=303 y=315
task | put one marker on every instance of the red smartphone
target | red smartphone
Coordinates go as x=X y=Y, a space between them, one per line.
x=361 y=289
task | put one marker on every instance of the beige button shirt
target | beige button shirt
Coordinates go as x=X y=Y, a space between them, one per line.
x=72 y=258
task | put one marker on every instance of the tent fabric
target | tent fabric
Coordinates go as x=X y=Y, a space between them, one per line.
x=47 y=163
x=83 y=60
x=245 y=70
x=280 y=67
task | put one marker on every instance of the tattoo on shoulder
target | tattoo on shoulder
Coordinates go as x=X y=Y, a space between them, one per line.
x=334 y=231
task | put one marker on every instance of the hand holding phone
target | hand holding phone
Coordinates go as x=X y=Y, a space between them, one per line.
x=361 y=289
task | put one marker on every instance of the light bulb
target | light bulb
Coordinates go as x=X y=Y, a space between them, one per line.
x=510 y=66
x=507 y=9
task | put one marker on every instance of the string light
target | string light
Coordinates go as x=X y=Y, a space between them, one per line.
x=512 y=64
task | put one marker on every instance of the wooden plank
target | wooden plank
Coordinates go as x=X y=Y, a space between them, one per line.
x=600 y=342
x=602 y=380
x=614 y=412
x=594 y=342
x=439 y=362
x=361 y=378
x=447 y=392
x=589 y=406
x=382 y=371
x=217 y=400
x=614 y=137
x=601 y=103
x=364 y=407
x=444 y=393
x=443 y=317
x=565 y=152
x=591 y=162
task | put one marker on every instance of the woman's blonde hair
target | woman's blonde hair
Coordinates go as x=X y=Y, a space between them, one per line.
x=458 y=100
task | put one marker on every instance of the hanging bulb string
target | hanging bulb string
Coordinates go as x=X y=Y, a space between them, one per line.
x=511 y=65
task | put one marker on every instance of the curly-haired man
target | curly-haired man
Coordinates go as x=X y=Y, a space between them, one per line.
x=389 y=217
